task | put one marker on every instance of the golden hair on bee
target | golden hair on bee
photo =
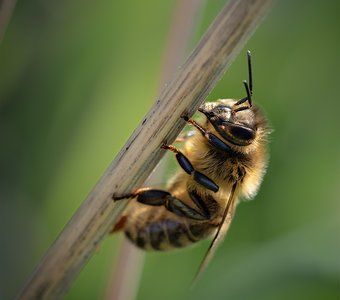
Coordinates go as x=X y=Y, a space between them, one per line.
x=223 y=161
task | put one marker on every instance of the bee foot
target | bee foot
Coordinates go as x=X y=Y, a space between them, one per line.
x=185 y=117
x=121 y=197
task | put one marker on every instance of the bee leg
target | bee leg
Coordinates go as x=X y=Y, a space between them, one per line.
x=156 y=197
x=146 y=196
x=208 y=206
x=212 y=138
x=188 y=168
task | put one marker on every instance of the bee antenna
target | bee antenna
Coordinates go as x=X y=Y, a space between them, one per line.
x=248 y=92
x=248 y=98
x=249 y=88
x=250 y=75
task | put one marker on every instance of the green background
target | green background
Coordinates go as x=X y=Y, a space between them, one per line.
x=76 y=77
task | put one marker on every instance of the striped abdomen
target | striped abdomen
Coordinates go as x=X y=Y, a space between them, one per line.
x=154 y=228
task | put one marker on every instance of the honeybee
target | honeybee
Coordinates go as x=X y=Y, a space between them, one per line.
x=224 y=160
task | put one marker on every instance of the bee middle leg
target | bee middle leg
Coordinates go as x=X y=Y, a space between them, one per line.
x=157 y=197
x=188 y=168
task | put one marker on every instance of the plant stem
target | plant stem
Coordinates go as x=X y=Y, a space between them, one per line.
x=6 y=10
x=125 y=279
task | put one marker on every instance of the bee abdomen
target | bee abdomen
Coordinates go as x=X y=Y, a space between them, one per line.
x=166 y=234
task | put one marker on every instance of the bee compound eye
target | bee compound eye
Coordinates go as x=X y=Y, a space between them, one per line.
x=242 y=133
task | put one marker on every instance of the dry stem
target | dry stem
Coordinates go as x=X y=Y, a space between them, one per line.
x=6 y=10
x=125 y=280
x=195 y=79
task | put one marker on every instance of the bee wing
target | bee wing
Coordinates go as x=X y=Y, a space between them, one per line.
x=221 y=232
x=184 y=136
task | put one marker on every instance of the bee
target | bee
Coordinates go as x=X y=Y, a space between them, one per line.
x=223 y=161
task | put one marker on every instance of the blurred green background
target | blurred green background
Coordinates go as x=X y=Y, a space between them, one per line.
x=78 y=76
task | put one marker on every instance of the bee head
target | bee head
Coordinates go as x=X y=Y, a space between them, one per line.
x=236 y=124
x=237 y=121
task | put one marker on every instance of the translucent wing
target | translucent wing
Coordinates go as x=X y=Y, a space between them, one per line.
x=221 y=232
x=184 y=136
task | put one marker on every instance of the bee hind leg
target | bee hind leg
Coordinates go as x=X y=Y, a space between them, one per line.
x=155 y=197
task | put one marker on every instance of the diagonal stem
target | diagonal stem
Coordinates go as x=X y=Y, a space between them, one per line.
x=126 y=275
x=6 y=10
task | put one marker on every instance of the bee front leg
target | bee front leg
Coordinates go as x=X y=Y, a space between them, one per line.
x=212 y=138
x=156 y=197
x=188 y=168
